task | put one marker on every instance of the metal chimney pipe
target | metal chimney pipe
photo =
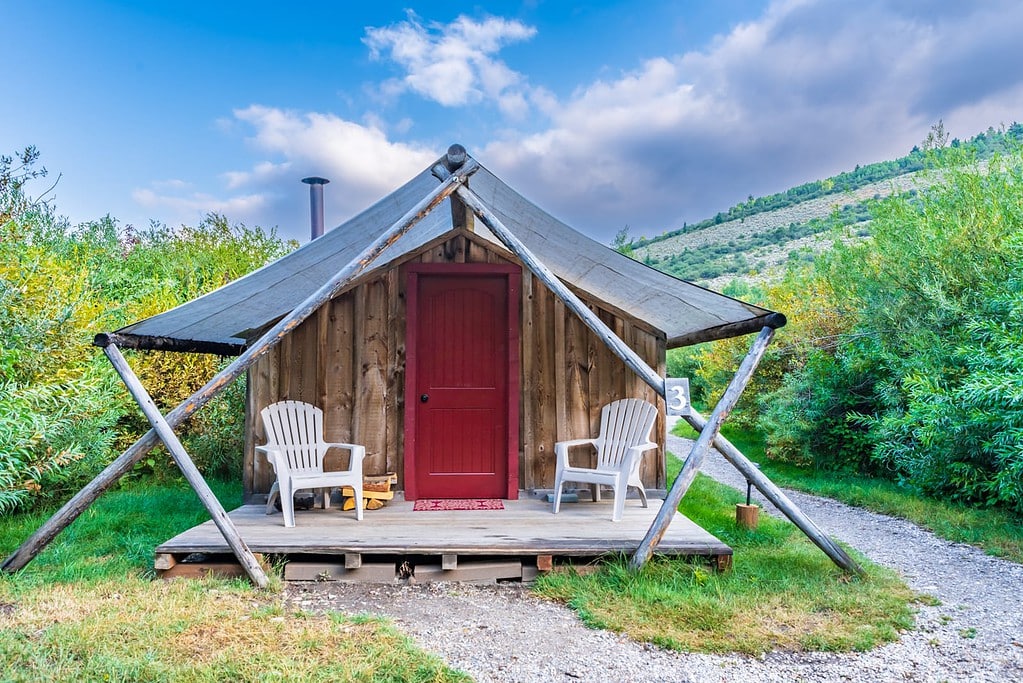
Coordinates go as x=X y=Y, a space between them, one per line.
x=316 y=203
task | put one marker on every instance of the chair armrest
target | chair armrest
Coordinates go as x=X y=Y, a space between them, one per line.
x=635 y=455
x=272 y=453
x=561 y=449
x=358 y=453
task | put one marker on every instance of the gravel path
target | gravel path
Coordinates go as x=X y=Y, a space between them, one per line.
x=502 y=633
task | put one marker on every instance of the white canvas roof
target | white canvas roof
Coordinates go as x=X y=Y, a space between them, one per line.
x=233 y=315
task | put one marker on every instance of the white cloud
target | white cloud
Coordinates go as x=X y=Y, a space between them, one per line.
x=811 y=88
x=191 y=207
x=262 y=172
x=360 y=161
x=453 y=64
x=359 y=156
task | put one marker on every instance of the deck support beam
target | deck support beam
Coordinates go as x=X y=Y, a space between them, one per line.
x=184 y=462
x=120 y=466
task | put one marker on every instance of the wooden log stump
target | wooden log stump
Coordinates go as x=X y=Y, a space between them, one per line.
x=747 y=516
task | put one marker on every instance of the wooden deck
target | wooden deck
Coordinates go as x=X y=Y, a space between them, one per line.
x=516 y=542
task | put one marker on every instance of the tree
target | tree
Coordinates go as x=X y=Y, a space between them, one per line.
x=622 y=243
x=62 y=408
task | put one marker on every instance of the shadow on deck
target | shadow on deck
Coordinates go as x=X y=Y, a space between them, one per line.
x=396 y=542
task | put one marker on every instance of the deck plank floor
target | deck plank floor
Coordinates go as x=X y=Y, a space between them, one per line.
x=525 y=527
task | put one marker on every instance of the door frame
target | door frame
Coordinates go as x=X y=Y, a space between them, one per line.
x=513 y=276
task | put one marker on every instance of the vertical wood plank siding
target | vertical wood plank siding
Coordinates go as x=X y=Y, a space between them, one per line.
x=567 y=373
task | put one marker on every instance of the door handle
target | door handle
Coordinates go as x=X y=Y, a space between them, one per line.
x=423 y=398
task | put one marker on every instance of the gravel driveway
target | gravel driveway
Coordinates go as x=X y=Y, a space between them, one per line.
x=502 y=633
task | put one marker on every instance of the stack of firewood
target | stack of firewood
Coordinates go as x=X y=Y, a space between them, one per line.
x=375 y=490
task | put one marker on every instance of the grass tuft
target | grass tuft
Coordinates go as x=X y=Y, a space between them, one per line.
x=782 y=592
x=88 y=609
x=136 y=629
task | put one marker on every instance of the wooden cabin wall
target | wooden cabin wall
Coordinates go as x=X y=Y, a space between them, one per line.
x=569 y=375
x=349 y=359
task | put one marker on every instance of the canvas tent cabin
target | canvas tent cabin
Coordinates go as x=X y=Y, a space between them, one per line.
x=454 y=365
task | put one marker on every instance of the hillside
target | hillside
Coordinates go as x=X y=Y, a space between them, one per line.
x=757 y=237
x=756 y=244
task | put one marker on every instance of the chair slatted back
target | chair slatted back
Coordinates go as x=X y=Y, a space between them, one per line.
x=297 y=428
x=623 y=424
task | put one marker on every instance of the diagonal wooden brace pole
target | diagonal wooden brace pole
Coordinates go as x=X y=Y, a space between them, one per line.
x=709 y=430
x=574 y=303
x=776 y=496
x=650 y=376
x=654 y=380
x=120 y=466
x=187 y=467
x=700 y=449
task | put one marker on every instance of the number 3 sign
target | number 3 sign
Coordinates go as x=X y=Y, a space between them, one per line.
x=676 y=395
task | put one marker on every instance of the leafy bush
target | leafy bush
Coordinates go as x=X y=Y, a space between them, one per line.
x=960 y=433
x=809 y=418
x=62 y=407
x=923 y=382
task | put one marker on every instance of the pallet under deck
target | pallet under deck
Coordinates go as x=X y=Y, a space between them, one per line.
x=473 y=545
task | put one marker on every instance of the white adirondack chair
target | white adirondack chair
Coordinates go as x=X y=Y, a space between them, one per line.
x=295 y=447
x=624 y=435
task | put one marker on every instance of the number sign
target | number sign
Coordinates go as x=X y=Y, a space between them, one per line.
x=676 y=395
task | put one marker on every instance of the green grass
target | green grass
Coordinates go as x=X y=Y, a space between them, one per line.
x=116 y=535
x=997 y=532
x=782 y=592
x=88 y=606
x=88 y=609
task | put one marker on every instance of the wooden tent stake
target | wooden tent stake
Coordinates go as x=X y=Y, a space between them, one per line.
x=187 y=467
x=116 y=469
x=655 y=381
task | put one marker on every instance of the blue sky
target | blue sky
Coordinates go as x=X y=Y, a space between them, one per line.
x=605 y=113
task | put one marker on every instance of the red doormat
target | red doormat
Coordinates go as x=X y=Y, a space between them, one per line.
x=457 y=504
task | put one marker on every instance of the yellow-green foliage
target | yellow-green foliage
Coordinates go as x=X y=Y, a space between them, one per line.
x=813 y=321
x=62 y=410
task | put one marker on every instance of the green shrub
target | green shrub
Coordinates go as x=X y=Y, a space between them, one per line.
x=63 y=411
x=922 y=381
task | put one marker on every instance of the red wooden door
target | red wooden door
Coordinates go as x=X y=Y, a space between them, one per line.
x=461 y=392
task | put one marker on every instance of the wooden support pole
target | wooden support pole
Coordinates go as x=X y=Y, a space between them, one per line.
x=187 y=467
x=116 y=469
x=544 y=274
x=776 y=496
x=700 y=449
